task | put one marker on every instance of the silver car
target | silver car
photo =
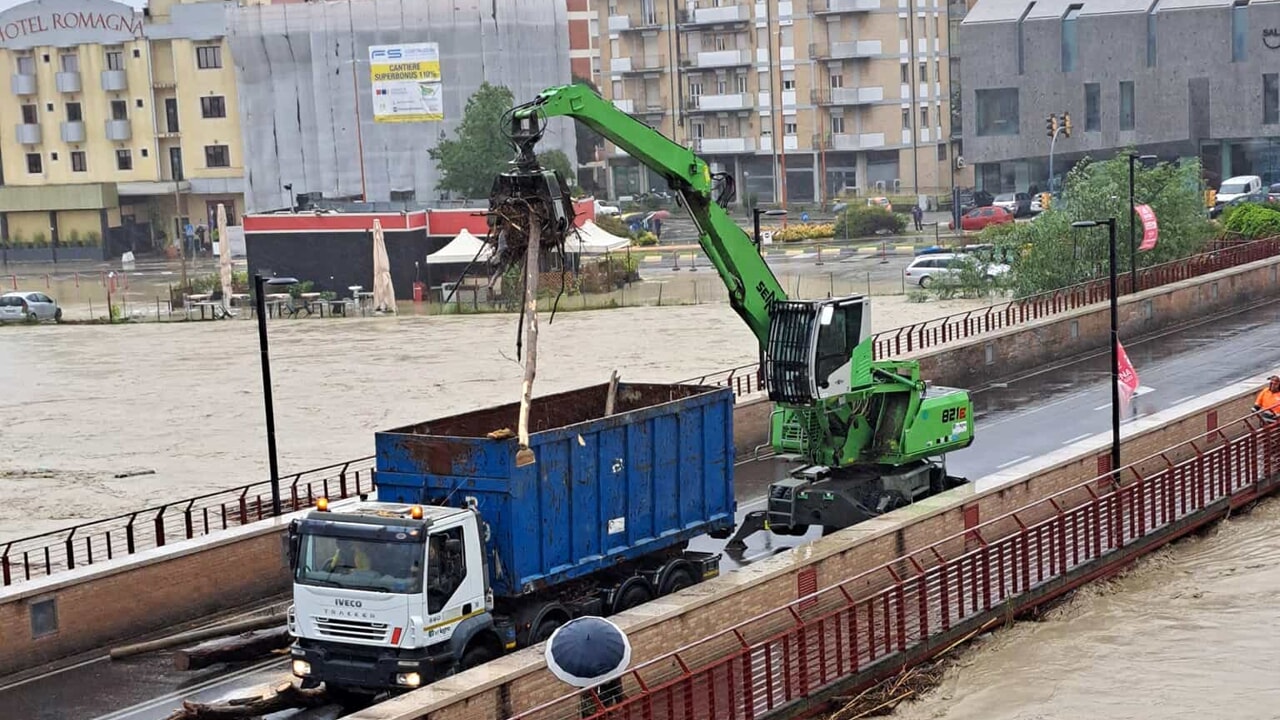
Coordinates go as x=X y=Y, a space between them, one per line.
x=28 y=307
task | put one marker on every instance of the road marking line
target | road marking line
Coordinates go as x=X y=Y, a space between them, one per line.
x=1076 y=439
x=191 y=690
x=1015 y=461
x=51 y=673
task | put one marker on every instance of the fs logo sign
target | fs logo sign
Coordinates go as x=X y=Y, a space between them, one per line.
x=390 y=54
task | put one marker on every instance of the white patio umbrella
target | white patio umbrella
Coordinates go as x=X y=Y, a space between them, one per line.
x=384 y=293
x=224 y=257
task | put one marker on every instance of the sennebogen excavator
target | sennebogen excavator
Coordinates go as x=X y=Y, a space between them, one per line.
x=867 y=435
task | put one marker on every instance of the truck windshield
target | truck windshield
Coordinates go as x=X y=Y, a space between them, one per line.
x=357 y=564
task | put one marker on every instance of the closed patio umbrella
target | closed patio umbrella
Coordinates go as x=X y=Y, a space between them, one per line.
x=224 y=257
x=384 y=293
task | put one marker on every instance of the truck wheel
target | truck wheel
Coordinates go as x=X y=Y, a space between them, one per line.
x=477 y=654
x=546 y=627
x=679 y=580
x=637 y=594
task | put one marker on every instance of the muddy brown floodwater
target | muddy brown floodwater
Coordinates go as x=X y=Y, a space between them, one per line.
x=83 y=403
x=1190 y=632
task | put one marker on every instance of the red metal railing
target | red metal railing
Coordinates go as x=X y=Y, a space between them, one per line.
x=1221 y=255
x=113 y=537
x=871 y=625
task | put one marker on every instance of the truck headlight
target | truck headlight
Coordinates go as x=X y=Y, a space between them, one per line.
x=301 y=668
x=412 y=679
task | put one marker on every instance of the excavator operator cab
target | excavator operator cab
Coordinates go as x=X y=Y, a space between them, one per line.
x=811 y=350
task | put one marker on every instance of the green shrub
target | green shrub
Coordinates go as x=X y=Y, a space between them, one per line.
x=802 y=231
x=867 y=221
x=645 y=238
x=1253 y=221
x=613 y=224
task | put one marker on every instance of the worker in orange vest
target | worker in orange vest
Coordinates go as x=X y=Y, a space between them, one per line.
x=1268 y=400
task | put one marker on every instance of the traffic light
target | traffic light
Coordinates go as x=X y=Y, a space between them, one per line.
x=1051 y=125
x=1066 y=124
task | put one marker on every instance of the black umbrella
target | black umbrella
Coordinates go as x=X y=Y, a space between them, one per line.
x=587 y=651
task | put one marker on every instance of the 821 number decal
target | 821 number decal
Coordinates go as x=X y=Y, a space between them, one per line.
x=954 y=414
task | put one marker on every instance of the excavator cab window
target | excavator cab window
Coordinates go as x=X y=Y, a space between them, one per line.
x=839 y=331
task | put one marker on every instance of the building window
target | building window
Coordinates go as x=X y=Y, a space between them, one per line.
x=209 y=57
x=77 y=161
x=837 y=124
x=698 y=130
x=789 y=80
x=924 y=118
x=695 y=89
x=789 y=127
x=30 y=115
x=903 y=29
x=26 y=65
x=115 y=60
x=722 y=86
x=124 y=160
x=73 y=112
x=1092 y=107
x=742 y=83
x=1151 y=37
x=723 y=129
x=906 y=74
x=1126 y=105
x=119 y=110
x=216 y=156
x=924 y=72
x=906 y=118
x=214 y=106
x=34 y=164
x=837 y=81
x=69 y=62
x=942 y=152
x=996 y=111
x=1239 y=29
x=1070 y=43
x=1270 y=99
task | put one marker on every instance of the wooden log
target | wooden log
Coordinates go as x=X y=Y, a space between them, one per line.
x=246 y=646
x=265 y=621
x=612 y=398
x=525 y=456
x=286 y=696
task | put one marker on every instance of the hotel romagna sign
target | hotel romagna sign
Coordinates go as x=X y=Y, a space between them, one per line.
x=68 y=22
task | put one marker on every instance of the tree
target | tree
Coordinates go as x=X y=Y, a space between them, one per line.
x=469 y=163
x=1048 y=253
x=558 y=161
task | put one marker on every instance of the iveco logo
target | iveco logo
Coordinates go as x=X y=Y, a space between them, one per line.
x=348 y=603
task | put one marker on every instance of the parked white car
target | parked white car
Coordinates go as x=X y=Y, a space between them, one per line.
x=603 y=209
x=28 y=307
x=926 y=269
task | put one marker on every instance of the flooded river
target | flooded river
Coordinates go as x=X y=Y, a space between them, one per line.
x=1190 y=632
x=82 y=404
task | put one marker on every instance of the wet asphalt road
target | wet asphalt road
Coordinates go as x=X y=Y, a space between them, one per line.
x=1017 y=421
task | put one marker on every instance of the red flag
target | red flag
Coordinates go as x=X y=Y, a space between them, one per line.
x=1127 y=377
x=1150 y=228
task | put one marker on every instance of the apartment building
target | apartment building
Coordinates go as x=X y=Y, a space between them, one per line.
x=584 y=39
x=118 y=125
x=801 y=100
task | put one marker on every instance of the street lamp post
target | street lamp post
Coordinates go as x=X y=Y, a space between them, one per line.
x=260 y=302
x=755 y=218
x=1133 y=227
x=1115 y=342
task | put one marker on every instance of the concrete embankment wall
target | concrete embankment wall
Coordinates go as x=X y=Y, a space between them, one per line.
x=103 y=603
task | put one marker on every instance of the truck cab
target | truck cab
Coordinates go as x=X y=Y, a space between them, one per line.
x=388 y=595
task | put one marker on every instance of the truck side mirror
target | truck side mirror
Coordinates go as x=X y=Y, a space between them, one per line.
x=453 y=546
x=295 y=541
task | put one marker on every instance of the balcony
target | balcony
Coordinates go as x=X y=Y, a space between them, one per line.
x=850 y=141
x=119 y=130
x=846 y=96
x=727 y=15
x=786 y=54
x=720 y=58
x=789 y=142
x=766 y=99
x=724 y=146
x=626 y=106
x=72 y=132
x=822 y=7
x=24 y=84
x=67 y=82
x=619 y=23
x=716 y=103
x=27 y=133
x=845 y=50
x=637 y=64
x=114 y=80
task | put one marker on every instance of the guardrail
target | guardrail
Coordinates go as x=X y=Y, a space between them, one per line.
x=974 y=323
x=99 y=540
x=872 y=625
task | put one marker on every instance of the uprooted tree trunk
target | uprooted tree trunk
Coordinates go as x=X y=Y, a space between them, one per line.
x=286 y=696
x=525 y=456
x=246 y=646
